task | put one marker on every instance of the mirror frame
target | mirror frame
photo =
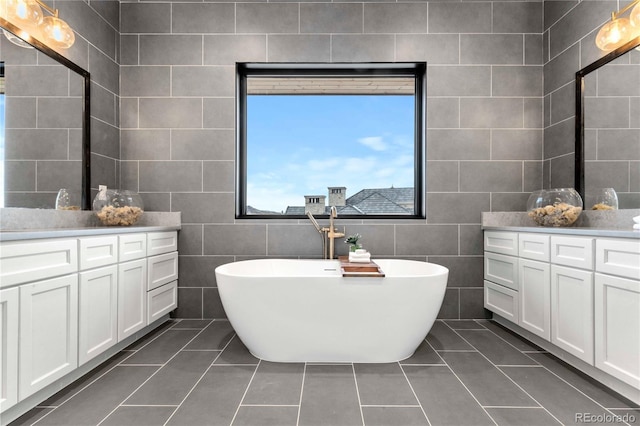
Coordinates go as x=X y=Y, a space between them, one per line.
x=85 y=197
x=580 y=118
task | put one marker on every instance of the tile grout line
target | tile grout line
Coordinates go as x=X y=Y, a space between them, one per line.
x=556 y=375
x=199 y=380
x=255 y=371
x=133 y=352
x=509 y=378
x=355 y=381
x=156 y=372
x=404 y=373
x=304 y=374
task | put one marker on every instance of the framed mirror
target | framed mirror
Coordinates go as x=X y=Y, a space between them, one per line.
x=44 y=130
x=607 y=151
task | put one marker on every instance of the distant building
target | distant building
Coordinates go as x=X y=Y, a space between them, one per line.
x=375 y=201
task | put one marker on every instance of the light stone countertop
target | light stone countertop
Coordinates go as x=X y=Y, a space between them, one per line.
x=612 y=224
x=26 y=224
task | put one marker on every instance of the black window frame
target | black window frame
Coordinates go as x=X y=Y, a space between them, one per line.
x=417 y=70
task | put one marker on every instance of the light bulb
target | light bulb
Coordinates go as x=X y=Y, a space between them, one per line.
x=614 y=34
x=26 y=14
x=57 y=33
x=634 y=16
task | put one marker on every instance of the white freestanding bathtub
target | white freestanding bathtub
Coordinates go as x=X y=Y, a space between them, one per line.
x=287 y=310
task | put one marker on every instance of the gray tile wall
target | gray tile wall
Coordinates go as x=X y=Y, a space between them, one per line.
x=40 y=116
x=485 y=124
x=97 y=49
x=570 y=28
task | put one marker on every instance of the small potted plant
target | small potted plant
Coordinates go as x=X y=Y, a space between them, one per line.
x=352 y=240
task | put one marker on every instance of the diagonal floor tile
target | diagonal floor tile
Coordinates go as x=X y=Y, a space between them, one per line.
x=276 y=383
x=236 y=353
x=329 y=397
x=162 y=348
x=519 y=342
x=174 y=380
x=485 y=381
x=85 y=380
x=562 y=400
x=215 y=398
x=496 y=349
x=443 y=338
x=522 y=417
x=424 y=355
x=214 y=337
x=138 y=416
x=464 y=325
x=443 y=398
x=95 y=402
x=383 y=384
x=191 y=323
x=266 y=416
x=605 y=396
x=400 y=416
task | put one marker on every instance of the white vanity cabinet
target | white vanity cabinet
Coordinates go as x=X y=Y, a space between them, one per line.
x=98 y=312
x=65 y=301
x=48 y=347
x=580 y=294
x=8 y=347
x=617 y=309
x=162 y=285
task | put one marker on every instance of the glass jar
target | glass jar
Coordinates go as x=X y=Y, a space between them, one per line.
x=118 y=207
x=554 y=207
x=604 y=199
x=64 y=201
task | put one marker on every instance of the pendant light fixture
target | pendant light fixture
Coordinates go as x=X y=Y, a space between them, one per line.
x=619 y=31
x=28 y=17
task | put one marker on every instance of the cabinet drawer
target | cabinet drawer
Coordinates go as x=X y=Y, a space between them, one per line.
x=572 y=251
x=501 y=300
x=162 y=269
x=161 y=242
x=618 y=257
x=98 y=251
x=501 y=242
x=534 y=247
x=501 y=269
x=22 y=262
x=132 y=247
x=162 y=300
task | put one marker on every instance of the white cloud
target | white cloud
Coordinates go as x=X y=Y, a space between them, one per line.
x=376 y=143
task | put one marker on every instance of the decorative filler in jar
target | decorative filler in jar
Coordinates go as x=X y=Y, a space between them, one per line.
x=605 y=199
x=117 y=207
x=554 y=207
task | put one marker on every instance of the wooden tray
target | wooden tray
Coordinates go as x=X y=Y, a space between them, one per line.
x=358 y=269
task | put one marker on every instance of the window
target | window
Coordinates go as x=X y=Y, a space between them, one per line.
x=355 y=132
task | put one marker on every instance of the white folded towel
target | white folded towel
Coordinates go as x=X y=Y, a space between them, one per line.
x=636 y=219
x=360 y=257
x=636 y=226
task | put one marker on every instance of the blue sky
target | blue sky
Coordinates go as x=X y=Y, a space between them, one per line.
x=299 y=145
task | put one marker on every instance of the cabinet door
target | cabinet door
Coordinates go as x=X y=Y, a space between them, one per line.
x=48 y=332
x=98 y=312
x=8 y=348
x=572 y=311
x=132 y=297
x=617 y=321
x=535 y=297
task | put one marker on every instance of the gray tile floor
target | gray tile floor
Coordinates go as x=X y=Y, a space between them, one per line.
x=197 y=372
